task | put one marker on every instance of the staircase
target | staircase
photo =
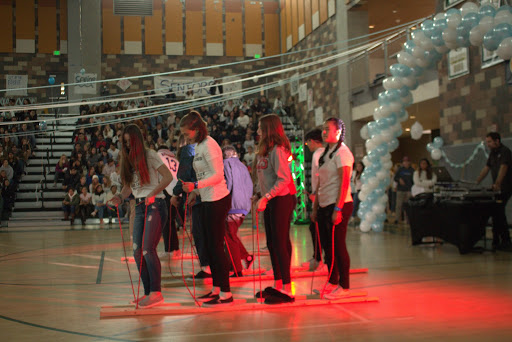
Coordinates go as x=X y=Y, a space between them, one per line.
x=38 y=202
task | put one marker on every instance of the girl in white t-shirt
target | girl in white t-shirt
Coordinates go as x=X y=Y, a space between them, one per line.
x=333 y=205
x=144 y=175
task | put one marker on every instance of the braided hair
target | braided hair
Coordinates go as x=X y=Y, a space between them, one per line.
x=340 y=125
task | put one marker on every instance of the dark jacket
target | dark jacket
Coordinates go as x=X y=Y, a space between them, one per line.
x=186 y=171
x=407 y=175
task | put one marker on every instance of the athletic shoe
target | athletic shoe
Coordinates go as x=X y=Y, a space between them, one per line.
x=329 y=288
x=269 y=291
x=248 y=261
x=338 y=293
x=311 y=264
x=208 y=297
x=139 y=300
x=219 y=302
x=154 y=299
x=202 y=275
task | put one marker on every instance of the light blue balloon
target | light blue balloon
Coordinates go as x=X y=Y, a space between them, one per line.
x=504 y=8
x=430 y=147
x=381 y=217
x=463 y=29
x=42 y=125
x=377 y=227
x=491 y=42
x=400 y=70
x=382 y=124
x=437 y=38
x=440 y=25
x=360 y=212
x=379 y=192
x=502 y=31
x=372 y=128
x=487 y=10
x=392 y=119
x=428 y=27
x=382 y=149
x=438 y=142
x=393 y=144
x=51 y=80
x=399 y=132
x=389 y=96
x=404 y=91
x=452 y=11
x=408 y=45
x=463 y=41
x=372 y=197
x=417 y=71
x=471 y=19
x=82 y=71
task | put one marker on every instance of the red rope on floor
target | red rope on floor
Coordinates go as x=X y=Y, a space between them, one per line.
x=316 y=251
x=230 y=256
x=124 y=250
x=183 y=254
x=170 y=233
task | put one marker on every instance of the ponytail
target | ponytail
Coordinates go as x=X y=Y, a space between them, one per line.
x=340 y=125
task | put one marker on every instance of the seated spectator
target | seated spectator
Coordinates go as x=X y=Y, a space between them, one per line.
x=278 y=106
x=93 y=158
x=81 y=184
x=109 y=168
x=99 y=202
x=60 y=169
x=242 y=120
x=25 y=133
x=104 y=157
x=26 y=150
x=111 y=211
x=114 y=152
x=95 y=181
x=9 y=171
x=3 y=153
x=249 y=155
x=115 y=177
x=245 y=108
x=108 y=134
x=235 y=137
x=101 y=142
x=70 y=204
x=249 y=141
x=160 y=132
x=256 y=108
x=71 y=178
x=85 y=206
x=78 y=149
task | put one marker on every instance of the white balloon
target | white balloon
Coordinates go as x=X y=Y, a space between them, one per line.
x=385 y=110
x=468 y=7
x=392 y=83
x=440 y=16
x=382 y=174
x=406 y=59
x=362 y=195
x=395 y=107
x=476 y=37
x=421 y=62
x=377 y=140
x=503 y=17
x=427 y=44
x=370 y=217
x=453 y=20
x=486 y=24
x=365 y=227
x=373 y=183
x=387 y=135
x=505 y=48
x=383 y=199
x=416 y=131
x=364 y=132
x=418 y=52
x=255 y=79
x=378 y=208
x=451 y=45
x=385 y=157
x=387 y=165
x=436 y=154
x=450 y=35
x=366 y=161
x=370 y=145
x=418 y=36
x=442 y=49
x=409 y=81
x=407 y=99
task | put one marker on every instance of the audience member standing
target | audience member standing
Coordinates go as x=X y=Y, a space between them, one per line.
x=404 y=179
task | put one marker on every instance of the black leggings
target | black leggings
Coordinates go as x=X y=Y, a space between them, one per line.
x=341 y=269
x=213 y=225
x=278 y=215
x=171 y=244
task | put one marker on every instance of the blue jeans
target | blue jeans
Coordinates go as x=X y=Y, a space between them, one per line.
x=150 y=270
x=100 y=210
x=355 y=197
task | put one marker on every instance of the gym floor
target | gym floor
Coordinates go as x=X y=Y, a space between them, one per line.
x=53 y=281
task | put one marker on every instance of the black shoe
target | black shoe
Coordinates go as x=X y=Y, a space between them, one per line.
x=279 y=299
x=269 y=291
x=202 y=275
x=236 y=275
x=248 y=261
x=208 y=297
x=219 y=302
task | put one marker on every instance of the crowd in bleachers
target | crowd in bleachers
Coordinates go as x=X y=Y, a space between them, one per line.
x=94 y=161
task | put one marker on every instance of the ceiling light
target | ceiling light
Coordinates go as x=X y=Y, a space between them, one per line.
x=371 y=26
x=407 y=129
x=412 y=117
x=394 y=11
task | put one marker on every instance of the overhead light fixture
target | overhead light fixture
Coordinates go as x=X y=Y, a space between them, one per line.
x=407 y=129
x=372 y=26
x=412 y=117
x=394 y=11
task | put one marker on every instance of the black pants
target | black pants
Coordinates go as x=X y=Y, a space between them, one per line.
x=277 y=217
x=199 y=235
x=317 y=250
x=213 y=226
x=500 y=230
x=169 y=228
x=341 y=268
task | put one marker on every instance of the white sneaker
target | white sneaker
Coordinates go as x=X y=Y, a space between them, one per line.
x=135 y=300
x=154 y=299
x=329 y=288
x=338 y=293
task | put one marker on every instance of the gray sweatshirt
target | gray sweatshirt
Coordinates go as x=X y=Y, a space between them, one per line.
x=274 y=175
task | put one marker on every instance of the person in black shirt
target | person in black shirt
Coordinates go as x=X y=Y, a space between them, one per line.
x=499 y=163
x=404 y=179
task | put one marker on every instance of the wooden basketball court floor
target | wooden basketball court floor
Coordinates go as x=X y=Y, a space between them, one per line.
x=53 y=281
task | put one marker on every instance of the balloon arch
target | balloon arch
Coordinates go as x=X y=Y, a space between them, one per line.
x=470 y=25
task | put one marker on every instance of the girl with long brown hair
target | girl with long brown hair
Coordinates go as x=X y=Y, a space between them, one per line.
x=277 y=192
x=144 y=175
x=215 y=204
